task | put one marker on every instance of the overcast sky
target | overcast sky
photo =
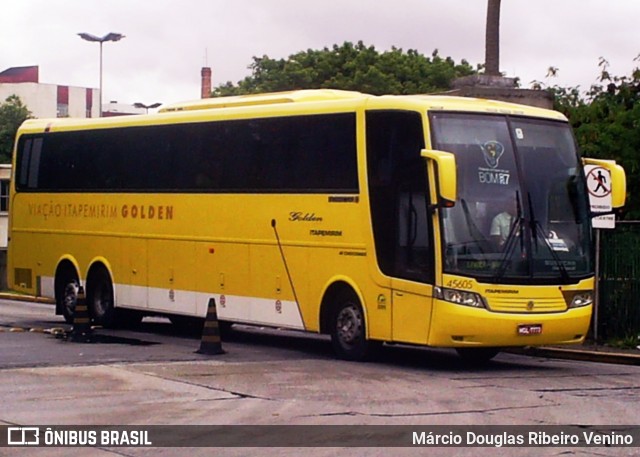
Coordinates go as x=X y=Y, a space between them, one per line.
x=168 y=41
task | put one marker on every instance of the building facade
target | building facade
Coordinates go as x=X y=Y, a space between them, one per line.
x=5 y=179
x=48 y=100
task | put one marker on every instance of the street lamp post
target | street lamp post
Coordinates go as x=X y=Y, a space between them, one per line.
x=108 y=37
x=146 y=107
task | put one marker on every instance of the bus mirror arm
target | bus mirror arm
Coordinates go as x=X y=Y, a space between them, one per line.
x=445 y=164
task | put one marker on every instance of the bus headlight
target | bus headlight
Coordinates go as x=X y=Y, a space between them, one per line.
x=581 y=299
x=459 y=297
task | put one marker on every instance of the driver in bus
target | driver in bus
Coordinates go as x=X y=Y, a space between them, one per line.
x=502 y=222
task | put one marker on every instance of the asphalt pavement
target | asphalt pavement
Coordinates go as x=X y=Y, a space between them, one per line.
x=588 y=351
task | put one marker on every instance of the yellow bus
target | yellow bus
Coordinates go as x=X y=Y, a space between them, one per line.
x=425 y=220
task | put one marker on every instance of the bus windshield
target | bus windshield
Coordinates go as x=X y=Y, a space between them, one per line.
x=522 y=210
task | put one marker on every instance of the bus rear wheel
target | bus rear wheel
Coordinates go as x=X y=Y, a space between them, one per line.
x=69 y=299
x=348 y=331
x=100 y=299
x=67 y=285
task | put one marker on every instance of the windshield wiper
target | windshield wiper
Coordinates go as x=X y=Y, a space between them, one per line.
x=536 y=229
x=474 y=231
x=515 y=231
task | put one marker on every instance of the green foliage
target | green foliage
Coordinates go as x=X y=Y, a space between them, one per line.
x=606 y=121
x=12 y=113
x=350 y=67
x=619 y=284
x=629 y=342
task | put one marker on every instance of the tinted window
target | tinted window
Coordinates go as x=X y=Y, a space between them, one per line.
x=398 y=194
x=288 y=154
x=522 y=205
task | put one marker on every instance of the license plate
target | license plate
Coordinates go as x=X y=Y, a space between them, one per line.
x=529 y=329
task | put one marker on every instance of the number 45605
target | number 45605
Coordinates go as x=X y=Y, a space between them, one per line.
x=460 y=284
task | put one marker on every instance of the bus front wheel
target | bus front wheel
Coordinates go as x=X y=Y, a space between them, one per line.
x=348 y=332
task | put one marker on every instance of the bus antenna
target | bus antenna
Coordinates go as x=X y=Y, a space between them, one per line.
x=286 y=266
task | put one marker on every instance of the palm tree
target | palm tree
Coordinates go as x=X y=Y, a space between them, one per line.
x=492 y=39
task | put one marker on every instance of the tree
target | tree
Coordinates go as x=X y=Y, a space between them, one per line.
x=606 y=122
x=350 y=67
x=12 y=113
x=492 y=39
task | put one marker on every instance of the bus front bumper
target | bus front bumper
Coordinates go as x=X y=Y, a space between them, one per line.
x=462 y=326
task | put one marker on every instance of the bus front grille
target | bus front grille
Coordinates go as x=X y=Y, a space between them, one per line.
x=527 y=305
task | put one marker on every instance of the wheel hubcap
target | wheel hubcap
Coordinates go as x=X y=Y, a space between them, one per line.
x=70 y=297
x=349 y=325
x=101 y=302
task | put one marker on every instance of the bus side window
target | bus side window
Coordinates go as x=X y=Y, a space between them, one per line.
x=24 y=156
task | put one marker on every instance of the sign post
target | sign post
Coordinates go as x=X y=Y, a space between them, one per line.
x=599 y=187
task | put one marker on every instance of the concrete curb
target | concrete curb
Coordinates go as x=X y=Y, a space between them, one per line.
x=585 y=355
x=25 y=298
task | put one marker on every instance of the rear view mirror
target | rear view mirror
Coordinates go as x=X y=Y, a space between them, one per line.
x=446 y=176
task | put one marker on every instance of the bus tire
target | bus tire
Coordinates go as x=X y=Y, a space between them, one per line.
x=69 y=299
x=100 y=299
x=348 y=331
x=477 y=356
x=67 y=295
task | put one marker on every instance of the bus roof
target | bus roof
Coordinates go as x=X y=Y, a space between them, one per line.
x=312 y=95
x=198 y=110
x=428 y=101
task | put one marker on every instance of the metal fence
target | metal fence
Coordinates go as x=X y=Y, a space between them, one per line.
x=618 y=313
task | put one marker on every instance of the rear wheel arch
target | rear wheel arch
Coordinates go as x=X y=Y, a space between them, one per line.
x=98 y=264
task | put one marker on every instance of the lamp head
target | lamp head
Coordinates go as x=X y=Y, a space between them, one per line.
x=108 y=37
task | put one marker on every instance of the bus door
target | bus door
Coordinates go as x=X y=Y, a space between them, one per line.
x=398 y=194
x=412 y=297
